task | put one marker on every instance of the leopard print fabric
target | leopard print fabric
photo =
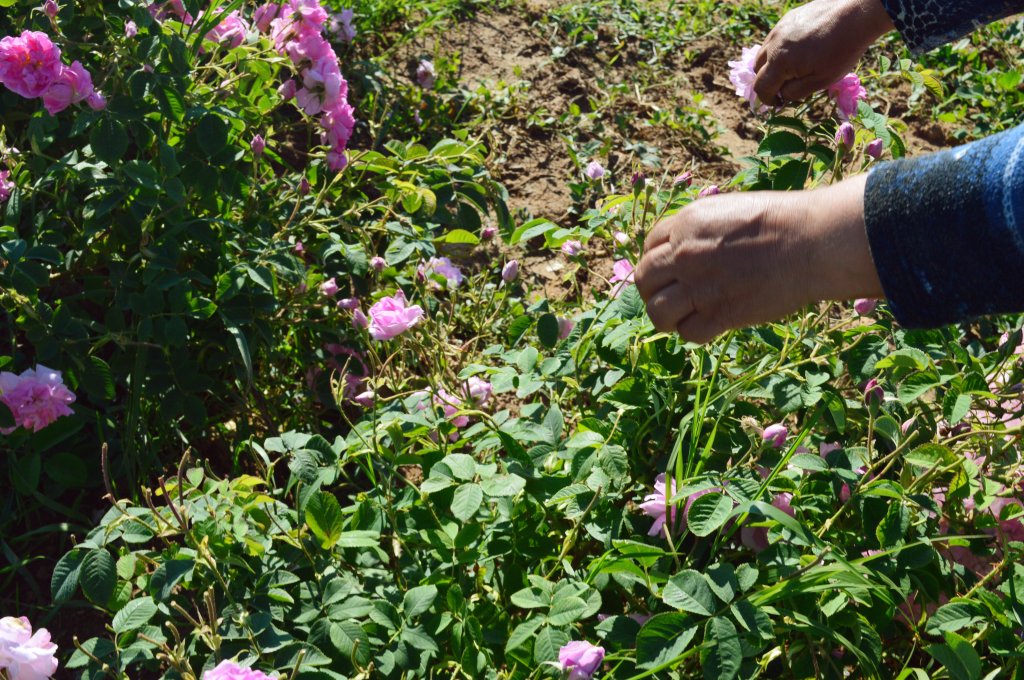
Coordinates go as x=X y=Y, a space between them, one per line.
x=926 y=24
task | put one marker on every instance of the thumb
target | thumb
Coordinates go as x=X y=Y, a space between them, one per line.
x=769 y=81
x=800 y=88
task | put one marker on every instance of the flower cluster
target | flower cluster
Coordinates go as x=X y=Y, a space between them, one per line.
x=35 y=398
x=30 y=65
x=25 y=655
x=319 y=88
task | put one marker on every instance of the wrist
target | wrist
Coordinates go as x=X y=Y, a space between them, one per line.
x=873 y=18
x=841 y=257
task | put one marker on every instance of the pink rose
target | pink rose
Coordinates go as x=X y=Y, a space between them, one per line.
x=24 y=655
x=426 y=75
x=6 y=185
x=74 y=85
x=478 y=391
x=230 y=31
x=131 y=29
x=742 y=76
x=390 y=317
x=580 y=660
x=378 y=263
x=845 y=136
x=622 y=276
x=595 y=170
x=711 y=190
x=565 y=327
x=329 y=288
x=229 y=670
x=775 y=435
x=443 y=267
x=571 y=248
x=875 y=148
x=510 y=272
x=756 y=538
x=864 y=306
x=654 y=504
x=35 y=398
x=451 y=405
x=29 y=64
x=847 y=92
x=340 y=26
x=264 y=14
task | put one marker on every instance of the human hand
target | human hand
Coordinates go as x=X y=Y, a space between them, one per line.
x=736 y=260
x=815 y=45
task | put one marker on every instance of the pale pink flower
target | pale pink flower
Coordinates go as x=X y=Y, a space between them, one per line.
x=621 y=237
x=391 y=316
x=29 y=64
x=510 y=272
x=756 y=538
x=684 y=180
x=25 y=655
x=73 y=85
x=51 y=9
x=359 y=319
x=348 y=303
x=622 y=276
x=565 y=327
x=595 y=170
x=229 y=670
x=443 y=267
x=264 y=14
x=96 y=101
x=230 y=31
x=742 y=76
x=478 y=391
x=451 y=405
x=580 y=660
x=426 y=75
x=340 y=26
x=35 y=398
x=131 y=29
x=160 y=11
x=654 y=504
x=775 y=435
x=711 y=190
x=378 y=263
x=329 y=287
x=571 y=248
x=847 y=91
x=287 y=89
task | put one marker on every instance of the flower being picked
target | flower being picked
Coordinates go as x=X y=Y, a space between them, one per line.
x=847 y=91
x=391 y=316
x=25 y=655
x=742 y=77
x=580 y=660
x=35 y=398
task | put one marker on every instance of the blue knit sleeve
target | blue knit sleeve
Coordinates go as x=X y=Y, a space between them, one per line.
x=925 y=24
x=946 y=231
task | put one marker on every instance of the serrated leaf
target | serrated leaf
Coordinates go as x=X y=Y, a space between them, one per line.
x=689 y=592
x=952 y=617
x=566 y=610
x=467 y=501
x=66 y=574
x=108 y=140
x=721 y=579
x=461 y=465
x=957 y=656
x=134 y=615
x=503 y=485
x=708 y=513
x=549 y=640
x=523 y=633
x=459 y=236
x=725 y=655
x=418 y=600
x=663 y=638
x=325 y=518
x=99 y=576
x=351 y=641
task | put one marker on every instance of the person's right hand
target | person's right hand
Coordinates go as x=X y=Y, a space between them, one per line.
x=815 y=45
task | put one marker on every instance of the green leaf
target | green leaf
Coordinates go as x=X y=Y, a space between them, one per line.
x=663 y=638
x=134 y=615
x=462 y=466
x=708 y=513
x=929 y=456
x=909 y=357
x=722 y=580
x=549 y=640
x=518 y=328
x=952 y=617
x=566 y=610
x=690 y=592
x=523 y=633
x=418 y=600
x=325 y=519
x=781 y=143
x=99 y=576
x=460 y=236
x=243 y=347
x=724 y=655
x=958 y=657
x=212 y=134
x=547 y=330
x=467 y=501
x=503 y=485
x=109 y=140
x=351 y=641
x=916 y=385
x=66 y=574
x=167 y=575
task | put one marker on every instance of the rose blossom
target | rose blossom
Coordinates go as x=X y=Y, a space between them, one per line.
x=565 y=327
x=451 y=405
x=390 y=317
x=230 y=31
x=756 y=538
x=580 y=659
x=341 y=27
x=443 y=267
x=847 y=91
x=29 y=64
x=655 y=503
x=6 y=185
x=622 y=276
x=359 y=319
x=595 y=170
x=24 y=655
x=329 y=287
x=488 y=233
x=426 y=76
x=845 y=136
x=131 y=29
x=264 y=15
x=50 y=9
x=348 y=303
x=378 y=263
x=478 y=391
x=621 y=237
x=74 y=85
x=873 y=392
x=287 y=89
x=572 y=248
x=684 y=180
x=229 y=670
x=742 y=77
x=775 y=435
x=510 y=272
x=864 y=306
x=258 y=144
x=711 y=190
x=875 y=148
x=35 y=398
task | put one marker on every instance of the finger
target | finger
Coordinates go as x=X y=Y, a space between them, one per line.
x=656 y=270
x=769 y=81
x=762 y=55
x=698 y=328
x=661 y=233
x=800 y=88
x=668 y=307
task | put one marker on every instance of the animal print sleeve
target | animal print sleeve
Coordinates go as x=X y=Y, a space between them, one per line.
x=926 y=24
